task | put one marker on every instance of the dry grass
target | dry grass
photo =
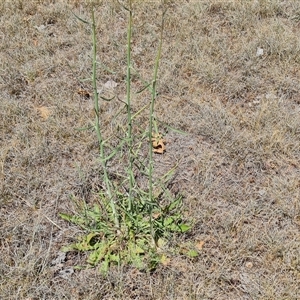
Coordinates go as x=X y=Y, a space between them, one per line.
x=238 y=164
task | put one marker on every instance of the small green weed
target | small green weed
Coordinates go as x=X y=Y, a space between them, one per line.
x=131 y=243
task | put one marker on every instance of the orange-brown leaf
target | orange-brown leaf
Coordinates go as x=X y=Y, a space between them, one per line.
x=199 y=245
x=158 y=143
x=44 y=112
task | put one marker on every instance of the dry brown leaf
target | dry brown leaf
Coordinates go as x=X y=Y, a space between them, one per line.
x=199 y=245
x=156 y=215
x=297 y=219
x=158 y=143
x=84 y=93
x=44 y=112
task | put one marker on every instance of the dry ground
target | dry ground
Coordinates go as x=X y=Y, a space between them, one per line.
x=238 y=163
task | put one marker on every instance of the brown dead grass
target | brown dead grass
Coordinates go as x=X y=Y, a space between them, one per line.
x=238 y=164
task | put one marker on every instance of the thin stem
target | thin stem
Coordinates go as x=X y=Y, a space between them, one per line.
x=129 y=115
x=97 y=124
x=152 y=122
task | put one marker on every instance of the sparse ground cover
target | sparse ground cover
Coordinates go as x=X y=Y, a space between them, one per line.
x=229 y=78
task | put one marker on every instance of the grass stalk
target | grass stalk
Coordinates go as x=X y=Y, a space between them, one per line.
x=128 y=103
x=152 y=122
x=97 y=125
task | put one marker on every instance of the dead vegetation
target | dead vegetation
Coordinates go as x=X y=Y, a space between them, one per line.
x=238 y=163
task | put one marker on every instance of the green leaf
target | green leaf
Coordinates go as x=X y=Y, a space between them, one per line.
x=107 y=99
x=192 y=253
x=114 y=258
x=66 y=217
x=105 y=265
x=105 y=67
x=145 y=87
x=174 y=204
x=90 y=236
x=79 y=267
x=80 y=19
x=136 y=249
x=84 y=128
x=97 y=255
x=184 y=227
x=161 y=242
x=168 y=221
x=68 y=248
x=86 y=79
x=73 y=219
x=173 y=129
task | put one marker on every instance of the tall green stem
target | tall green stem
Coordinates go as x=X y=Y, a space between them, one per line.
x=129 y=115
x=152 y=122
x=97 y=123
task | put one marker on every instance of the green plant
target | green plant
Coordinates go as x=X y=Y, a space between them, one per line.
x=128 y=227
